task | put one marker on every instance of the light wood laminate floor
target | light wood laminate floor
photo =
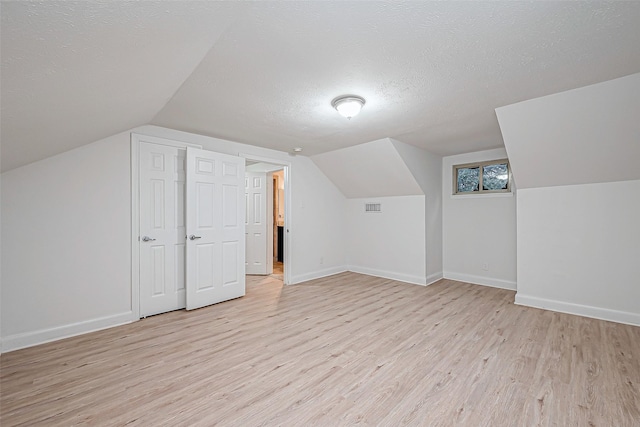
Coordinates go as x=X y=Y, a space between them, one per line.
x=345 y=350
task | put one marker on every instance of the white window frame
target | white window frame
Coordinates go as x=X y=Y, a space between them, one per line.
x=480 y=165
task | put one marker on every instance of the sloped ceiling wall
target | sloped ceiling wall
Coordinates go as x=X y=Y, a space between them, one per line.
x=374 y=169
x=426 y=167
x=76 y=72
x=264 y=73
x=582 y=136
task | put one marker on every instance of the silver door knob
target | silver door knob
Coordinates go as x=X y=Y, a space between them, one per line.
x=194 y=237
x=147 y=239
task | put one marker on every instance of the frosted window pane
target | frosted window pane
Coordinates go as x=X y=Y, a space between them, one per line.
x=468 y=179
x=495 y=177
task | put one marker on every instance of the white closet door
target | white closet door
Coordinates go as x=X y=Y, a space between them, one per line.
x=215 y=265
x=162 y=229
x=256 y=222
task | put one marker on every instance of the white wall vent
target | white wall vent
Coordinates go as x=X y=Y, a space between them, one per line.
x=373 y=207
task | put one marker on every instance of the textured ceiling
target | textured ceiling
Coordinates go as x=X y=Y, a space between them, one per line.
x=76 y=72
x=264 y=73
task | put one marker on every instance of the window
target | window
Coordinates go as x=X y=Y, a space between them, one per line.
x=484 y=177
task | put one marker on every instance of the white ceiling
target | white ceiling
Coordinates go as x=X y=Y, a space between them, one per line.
x=264 y=73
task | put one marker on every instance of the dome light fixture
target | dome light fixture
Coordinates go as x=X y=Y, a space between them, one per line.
x=348 y=105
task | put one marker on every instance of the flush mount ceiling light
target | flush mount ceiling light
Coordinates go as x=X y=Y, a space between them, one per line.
x=348 y=105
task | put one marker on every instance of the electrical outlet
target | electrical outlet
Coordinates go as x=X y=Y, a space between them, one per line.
x=485 y=266
x=321 y=260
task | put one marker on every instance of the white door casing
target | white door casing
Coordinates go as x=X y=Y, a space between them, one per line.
x=256 y=223
x=215 y=250
x=285 y=166
x=270 y=222
x=162 y=228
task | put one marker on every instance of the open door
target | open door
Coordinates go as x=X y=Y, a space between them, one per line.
x=215 y=245
x=277 y=197
x=256 y=229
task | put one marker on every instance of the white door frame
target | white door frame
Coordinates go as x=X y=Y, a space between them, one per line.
x=264 y=218
x=286 y=166
x=136 y=139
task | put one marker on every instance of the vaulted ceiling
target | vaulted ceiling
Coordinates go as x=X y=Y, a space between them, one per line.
x=264 y=73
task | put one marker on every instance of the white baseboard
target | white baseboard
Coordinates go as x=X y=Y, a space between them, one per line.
x=401 y=277
x=433 y=278
x=479 y=280
x=29 y=339
x=579 y=309
x=414 y=280
x=317 y=274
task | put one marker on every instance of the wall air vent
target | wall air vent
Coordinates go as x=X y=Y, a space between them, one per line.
x=373 y=207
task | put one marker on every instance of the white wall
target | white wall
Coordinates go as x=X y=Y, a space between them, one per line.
x=389 y=169
x=575 y=157
x=579 y=249
x=390 y=243
x=1 y=263
x=66 y=265
x=318 y=224
x=426 y=168
x=478 y=229
x=66 y=235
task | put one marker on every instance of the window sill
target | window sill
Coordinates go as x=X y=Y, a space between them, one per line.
x=481 y=196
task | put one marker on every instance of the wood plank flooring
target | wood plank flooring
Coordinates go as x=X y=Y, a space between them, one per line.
x=341 y=351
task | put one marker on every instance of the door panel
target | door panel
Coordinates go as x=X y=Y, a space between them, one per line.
x=230 y=258
x=162 y=180
x=179 y=260
x=158 y=276
x=215 y=226
x=205 y=255
x=204 y=205
x=230 y=204
x=256 y=223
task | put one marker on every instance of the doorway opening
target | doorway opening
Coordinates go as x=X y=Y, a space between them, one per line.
x=278 y=215
x=268 y=215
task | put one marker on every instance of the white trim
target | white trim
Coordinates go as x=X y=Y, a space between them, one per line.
x=136 y=139
x=262 y=159
x=135 y=226
x=287 y=250
x=600 y=313
x=433 y=278
x=414 y=280
x=30 y=339
x=481 y=195
x=288 y=253
x=318 y=274
x=401 y=277
x=480 y=280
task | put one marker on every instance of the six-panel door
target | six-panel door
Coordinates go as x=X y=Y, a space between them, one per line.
x=162 y=229
x=215 y=249
x=256 y=222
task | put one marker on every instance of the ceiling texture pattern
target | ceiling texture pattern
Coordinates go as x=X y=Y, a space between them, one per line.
x=264 y=73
